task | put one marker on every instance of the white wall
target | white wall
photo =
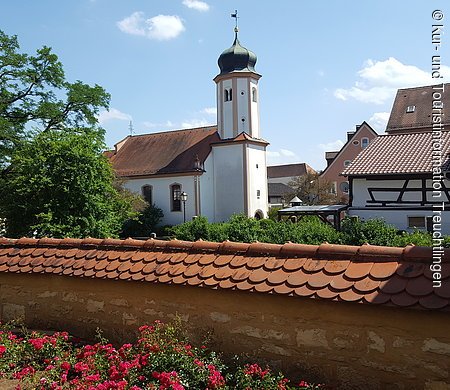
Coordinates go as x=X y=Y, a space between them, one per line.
x=254 y=110
x=227 y=109
x=162 y=196
x=228 y=181
x=242 y=97
x=395 y=215
x=257 y=179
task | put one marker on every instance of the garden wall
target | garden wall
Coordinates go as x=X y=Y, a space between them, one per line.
x=356 y=345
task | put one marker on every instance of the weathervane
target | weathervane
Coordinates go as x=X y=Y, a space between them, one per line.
x=235 y=15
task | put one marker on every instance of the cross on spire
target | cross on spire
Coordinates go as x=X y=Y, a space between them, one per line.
x=235 y=15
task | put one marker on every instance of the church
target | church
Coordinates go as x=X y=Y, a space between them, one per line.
x=213 y=171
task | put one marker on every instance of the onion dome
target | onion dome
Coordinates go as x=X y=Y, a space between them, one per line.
x=237 y=58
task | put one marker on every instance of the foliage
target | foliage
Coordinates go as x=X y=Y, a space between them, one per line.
x=59 y=184
x=144 y=224
x=312 y=189
x=35 y=95
x=161 y=358
x=308 y=230
x=273 y=213
x=54 y=179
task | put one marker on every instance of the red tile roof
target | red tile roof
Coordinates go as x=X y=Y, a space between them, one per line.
x=288 y=170
x=421 y=117
x=163 y=153
x=367 y=274
x=399 y=154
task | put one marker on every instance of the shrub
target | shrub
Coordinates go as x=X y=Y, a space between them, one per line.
x=144 y=224
x=161 y=358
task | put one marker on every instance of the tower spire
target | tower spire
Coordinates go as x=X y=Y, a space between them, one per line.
x=236 y=28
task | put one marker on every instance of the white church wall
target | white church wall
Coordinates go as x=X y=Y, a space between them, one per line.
x=257 y=180
x=254 y=109
x=227 y=109
x=207 y=189
x=242 y=105
x=161 y=194
x=228 y=181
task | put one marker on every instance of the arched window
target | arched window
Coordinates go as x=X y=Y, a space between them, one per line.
x=147 y=193
x=230 y=94
x=254 y=95
x=175 y=197
x=225 y=95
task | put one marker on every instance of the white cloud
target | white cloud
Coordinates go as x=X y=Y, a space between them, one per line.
x=209 y=111
x=282 y=156
x=197 y=5
x=379 y=121
x=379 y=80
x=195 y=123
x=112 y=114
x=160 y=27
x=332 y=146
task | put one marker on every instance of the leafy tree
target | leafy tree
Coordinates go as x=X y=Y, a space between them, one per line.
x=59 y=184
x=312 y=189
x=34 y=97
x=54 y=179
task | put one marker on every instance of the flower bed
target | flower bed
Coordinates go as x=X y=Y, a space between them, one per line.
x=161 y=358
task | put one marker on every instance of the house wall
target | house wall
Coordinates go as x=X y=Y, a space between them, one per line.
x=394 y=214
x=349 y=152
x=346 y=345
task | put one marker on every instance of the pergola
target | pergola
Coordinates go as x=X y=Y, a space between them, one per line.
x=321 y=211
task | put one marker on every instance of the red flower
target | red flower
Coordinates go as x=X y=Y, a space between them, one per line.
x=2 y=350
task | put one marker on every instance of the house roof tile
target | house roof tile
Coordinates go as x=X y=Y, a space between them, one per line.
x=288 y=170
x=399 y=154
x=422 y=99
x=364 y=274
x=163 y=153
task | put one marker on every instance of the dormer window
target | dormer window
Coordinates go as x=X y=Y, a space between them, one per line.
x=410 y=109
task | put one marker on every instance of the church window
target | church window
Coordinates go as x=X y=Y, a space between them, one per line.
x=230 y=94
x=254 y=95
x=225 y=95
x=175 y=197
x=258 y=194
x=147 y=193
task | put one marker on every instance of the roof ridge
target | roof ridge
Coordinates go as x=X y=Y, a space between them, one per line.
x=174 y=131
x=325 y=250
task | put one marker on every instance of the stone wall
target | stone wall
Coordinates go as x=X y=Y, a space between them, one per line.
x=351 y=345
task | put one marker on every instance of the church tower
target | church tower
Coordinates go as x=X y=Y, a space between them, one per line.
x=239 y=159
x=237 y=92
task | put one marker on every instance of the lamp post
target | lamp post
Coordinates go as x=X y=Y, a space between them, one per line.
x=184 y=198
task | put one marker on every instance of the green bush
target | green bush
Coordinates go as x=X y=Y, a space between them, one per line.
x=308 y=230
x=144 y=224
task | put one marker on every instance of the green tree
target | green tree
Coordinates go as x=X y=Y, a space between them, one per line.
x=54 y=179
x=59 y=184
x=34 y=97
x=311 y=189
x=144 y=224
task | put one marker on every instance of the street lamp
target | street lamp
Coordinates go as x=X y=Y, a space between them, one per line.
x=184 y=198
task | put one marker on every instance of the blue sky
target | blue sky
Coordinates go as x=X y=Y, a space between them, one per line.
x=326 y=65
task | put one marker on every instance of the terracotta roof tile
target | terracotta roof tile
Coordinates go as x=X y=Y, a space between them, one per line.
x=422 y=100
x=366 y=274
x=398 y=154
x=141 y=154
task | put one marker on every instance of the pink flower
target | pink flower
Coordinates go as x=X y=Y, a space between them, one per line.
x=2 y=350
x=38 y=344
